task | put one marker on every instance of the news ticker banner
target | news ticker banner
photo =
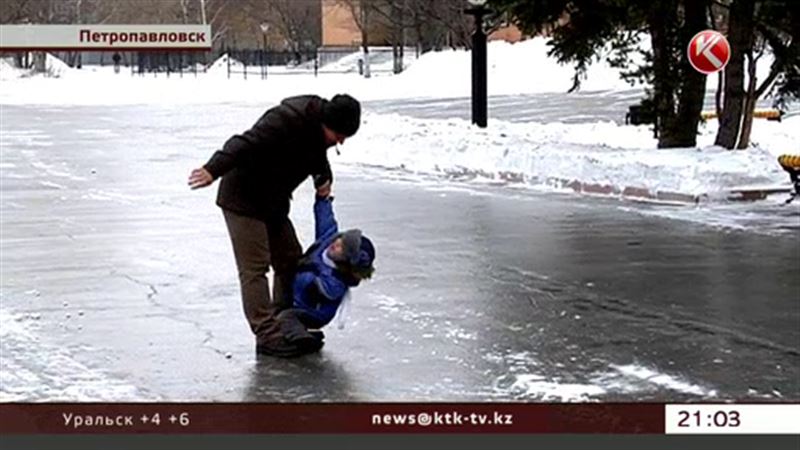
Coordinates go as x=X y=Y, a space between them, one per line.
x=104 y=37
x=248 y=418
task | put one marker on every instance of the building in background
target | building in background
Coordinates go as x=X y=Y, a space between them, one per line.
x=342 y=22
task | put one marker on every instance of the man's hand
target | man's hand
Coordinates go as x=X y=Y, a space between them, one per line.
x=324 y=190
x=200 y=178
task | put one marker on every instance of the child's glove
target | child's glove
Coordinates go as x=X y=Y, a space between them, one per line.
x=320 y=180
x=323 y=185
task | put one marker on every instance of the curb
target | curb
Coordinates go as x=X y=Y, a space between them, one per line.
x=755 y=194
x=637 y=193
x=632 y=192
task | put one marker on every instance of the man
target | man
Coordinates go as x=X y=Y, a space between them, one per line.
x=260 y=169
x=116 y=58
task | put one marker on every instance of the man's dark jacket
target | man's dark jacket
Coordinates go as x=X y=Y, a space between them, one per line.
x=261 y=167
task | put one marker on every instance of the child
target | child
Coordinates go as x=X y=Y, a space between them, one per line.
x=329 y=268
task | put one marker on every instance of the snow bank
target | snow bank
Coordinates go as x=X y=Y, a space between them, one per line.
x=554 y=155
x=8 y=71
x=220 y=66
x=522 y=67
x=54 y=66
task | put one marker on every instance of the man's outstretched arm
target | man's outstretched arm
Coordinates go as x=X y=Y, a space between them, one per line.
x=265 y=134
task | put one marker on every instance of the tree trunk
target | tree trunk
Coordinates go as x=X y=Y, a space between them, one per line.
x=185 y=11
x=718 y=95
x=693 y=83
x=663 y=80
x=40 y=62
x=397 y=38
x=720 y=84
x=749 y=103
x=678 y=90
x=365 y=38
x=740 y=35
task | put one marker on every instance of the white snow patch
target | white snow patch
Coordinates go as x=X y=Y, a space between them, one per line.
x=53 y=185
x=32 y=370
x=389 y=304
x=536 y=386
x=54 y=68
x=220 y=66
x=524 y=380
x=54 y=171
x=8 y=71
x=635 y=375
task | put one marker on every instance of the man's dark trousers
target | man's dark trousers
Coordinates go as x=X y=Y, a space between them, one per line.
x=257 y=246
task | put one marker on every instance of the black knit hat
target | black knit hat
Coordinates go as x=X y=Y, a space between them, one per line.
x=342 y=114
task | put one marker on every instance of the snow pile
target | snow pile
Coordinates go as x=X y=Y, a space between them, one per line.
x=381 y=61
x=524 y=67
x=8 y=71
x=348 y=63
x=555 y=154
x=220 y=66
x=512 y=68
x=56 y=67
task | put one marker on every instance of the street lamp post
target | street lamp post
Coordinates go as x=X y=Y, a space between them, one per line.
x=265 y=62
x=479 y=101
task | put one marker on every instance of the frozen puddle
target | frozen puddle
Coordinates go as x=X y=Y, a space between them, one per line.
x=33 y=370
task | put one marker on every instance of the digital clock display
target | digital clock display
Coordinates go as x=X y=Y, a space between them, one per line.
x=768 y=418
x=723 y=418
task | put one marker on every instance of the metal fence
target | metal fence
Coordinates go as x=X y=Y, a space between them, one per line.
x=238 y=62
x=168 y=63
x=323 y=60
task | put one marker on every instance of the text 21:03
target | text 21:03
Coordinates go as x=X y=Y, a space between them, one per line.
x=717 y=419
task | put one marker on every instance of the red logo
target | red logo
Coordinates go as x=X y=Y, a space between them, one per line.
x=709 y=52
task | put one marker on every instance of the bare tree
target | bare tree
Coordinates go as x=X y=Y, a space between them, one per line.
x=297 y=22
x=444 y=24
x=14 y=11
x=185 y=10
x=754 y=90
x=400 y=17
x=215 y=9
x=752 y=28
x=360 y=12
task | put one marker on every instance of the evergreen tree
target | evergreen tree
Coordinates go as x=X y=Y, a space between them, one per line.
x=580 y=29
